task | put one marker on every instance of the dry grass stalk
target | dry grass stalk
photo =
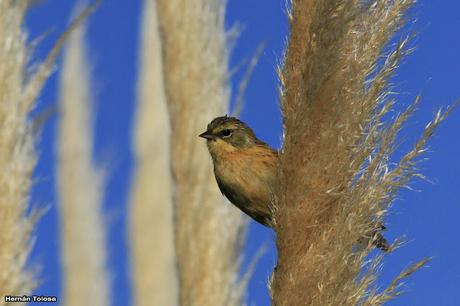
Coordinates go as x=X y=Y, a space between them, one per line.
x=151 y=235
x=19 y=88
x=336 y=178
x=17 y=155
x=208 y=231
x=80 y=185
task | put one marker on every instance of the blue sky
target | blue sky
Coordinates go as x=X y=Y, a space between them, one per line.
x=428 y=218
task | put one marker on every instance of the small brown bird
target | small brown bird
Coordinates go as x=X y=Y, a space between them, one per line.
x=244 y=166
x=246 y=169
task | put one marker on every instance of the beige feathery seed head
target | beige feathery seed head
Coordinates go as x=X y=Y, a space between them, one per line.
x=80 y=185
x=19 y=88
x=335 y=101
x=151 y=234
x=208 y=232
x=17 y=156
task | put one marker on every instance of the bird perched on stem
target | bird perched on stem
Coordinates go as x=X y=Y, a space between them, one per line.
x=246 y=170
x=244 y=166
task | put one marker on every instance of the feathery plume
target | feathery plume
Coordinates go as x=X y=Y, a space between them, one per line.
x=17 y=154
x=208 y=232
x=336 y=179
x=152 y=233
x=80 y=185
x=19 y=88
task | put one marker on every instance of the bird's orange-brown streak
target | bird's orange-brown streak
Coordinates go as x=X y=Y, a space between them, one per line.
x=249 y=171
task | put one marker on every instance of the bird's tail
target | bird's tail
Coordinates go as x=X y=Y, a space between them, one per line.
x=376 y=238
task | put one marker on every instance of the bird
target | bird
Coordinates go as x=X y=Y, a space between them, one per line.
x=246 y=169
x=244 y=166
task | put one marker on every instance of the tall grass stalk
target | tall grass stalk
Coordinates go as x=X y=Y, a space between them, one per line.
x=151 y=232
x=20 y=85
x=336 y=179
x=80 y=185
x=17 y=154
x=208 y=231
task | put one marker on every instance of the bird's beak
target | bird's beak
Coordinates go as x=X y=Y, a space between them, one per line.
x=207 y=135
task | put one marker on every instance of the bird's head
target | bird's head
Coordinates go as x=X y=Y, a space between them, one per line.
x=227 y=134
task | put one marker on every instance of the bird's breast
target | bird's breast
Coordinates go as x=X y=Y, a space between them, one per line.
x=247 y=179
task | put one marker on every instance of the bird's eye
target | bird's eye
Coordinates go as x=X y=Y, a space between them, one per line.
x=226 y=133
